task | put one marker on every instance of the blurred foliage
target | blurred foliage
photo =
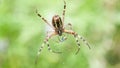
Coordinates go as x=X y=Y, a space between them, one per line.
x=22 y=32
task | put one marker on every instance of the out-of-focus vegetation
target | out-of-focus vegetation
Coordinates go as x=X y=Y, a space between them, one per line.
x=22 y=32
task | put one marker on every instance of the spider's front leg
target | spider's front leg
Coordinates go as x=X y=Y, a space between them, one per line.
x=43 y=19
x=69 y=26
x=77 y=37
x=63 y=15
x=47 y=43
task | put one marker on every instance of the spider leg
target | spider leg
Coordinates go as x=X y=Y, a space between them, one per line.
x=78 y=43
x=70 y=26
x=50 y=48
x=43 y=18
x=63 y=15
x=80 y=37
x=75 y=35
x=40 y=49
x=47 y=43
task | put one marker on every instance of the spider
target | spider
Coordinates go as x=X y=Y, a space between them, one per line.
x=59 y=29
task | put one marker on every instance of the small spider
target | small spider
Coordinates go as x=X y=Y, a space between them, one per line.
x=59 y=29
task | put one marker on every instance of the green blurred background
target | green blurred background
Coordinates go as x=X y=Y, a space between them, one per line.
x=22 y=32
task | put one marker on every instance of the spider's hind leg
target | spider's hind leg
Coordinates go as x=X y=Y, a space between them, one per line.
x=77 y=37
x=50 y=48
x=42 y=46
x=80 y=37
x=39 y=51
x=78 y=43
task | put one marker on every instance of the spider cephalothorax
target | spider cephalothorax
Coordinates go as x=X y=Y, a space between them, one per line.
x=59 y=29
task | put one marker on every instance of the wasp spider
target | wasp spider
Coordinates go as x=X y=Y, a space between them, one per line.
x=59 y=29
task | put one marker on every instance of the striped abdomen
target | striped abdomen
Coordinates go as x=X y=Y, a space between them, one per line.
x=57 y=24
